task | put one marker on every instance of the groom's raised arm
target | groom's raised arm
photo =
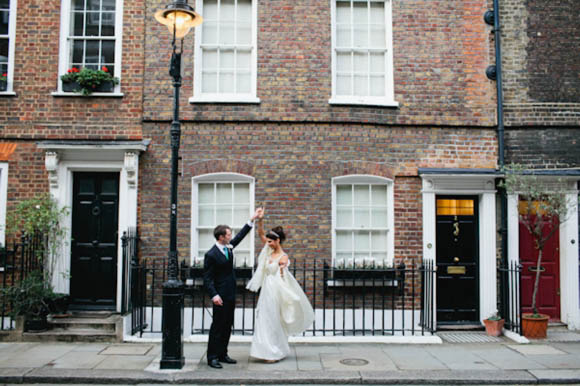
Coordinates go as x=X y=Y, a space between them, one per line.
x=240 y=236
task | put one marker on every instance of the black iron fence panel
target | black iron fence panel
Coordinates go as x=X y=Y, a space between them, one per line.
x=347 y=302
x=17 y=261
x=510 y=296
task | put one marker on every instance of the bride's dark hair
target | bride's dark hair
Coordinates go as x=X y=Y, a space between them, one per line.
x=277 y=233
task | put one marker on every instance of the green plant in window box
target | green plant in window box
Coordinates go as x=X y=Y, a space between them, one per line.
x=86 y=80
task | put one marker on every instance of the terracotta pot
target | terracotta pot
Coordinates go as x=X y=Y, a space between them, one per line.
x=535 y=327
x=494 y=327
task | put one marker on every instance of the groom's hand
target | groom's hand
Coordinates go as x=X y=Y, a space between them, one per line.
x=217 y=300
x=259 y=213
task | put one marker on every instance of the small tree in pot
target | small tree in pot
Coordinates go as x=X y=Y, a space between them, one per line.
x=542 y=209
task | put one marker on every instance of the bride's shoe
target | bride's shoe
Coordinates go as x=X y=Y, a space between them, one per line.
x=271 y=360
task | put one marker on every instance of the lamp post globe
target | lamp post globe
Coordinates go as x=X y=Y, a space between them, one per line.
x=179 y=18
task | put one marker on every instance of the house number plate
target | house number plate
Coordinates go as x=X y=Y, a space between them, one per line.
x=456 y=270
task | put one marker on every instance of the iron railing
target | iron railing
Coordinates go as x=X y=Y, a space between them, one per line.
x=17 y=261
x=510 y=306
x=353 y=302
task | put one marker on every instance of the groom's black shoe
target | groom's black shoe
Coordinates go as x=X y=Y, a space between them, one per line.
x=214 y=363
x=227 y=359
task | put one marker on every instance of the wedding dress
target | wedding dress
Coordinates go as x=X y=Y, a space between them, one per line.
x=283 y=309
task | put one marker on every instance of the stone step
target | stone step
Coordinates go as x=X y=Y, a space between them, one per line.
x=65 y=335
x=84 y=323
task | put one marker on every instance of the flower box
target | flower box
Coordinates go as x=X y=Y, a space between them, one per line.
x=108 y=86
x=71 y=87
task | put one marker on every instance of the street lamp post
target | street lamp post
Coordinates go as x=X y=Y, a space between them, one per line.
x=179 y=18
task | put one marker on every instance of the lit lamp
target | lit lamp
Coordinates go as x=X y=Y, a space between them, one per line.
x=179 y=18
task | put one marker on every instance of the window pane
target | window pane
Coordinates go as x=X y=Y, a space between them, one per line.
x=343 y=241
x=78 y=4
x=361 y=242
x=378 y=12
x=343 y=13
x=378 y=63
x=378 y=36
x=209 y=82
x=226 y=82
x=78 y=48
x=108 y=5
x=227 y=10
x=379 y=193
x=78 y=24
x=205 y=216
x=360 y=85
x=244 y=11
x=242 y=193
x=205 y=192
x=243 y=60
x=206 y=239
x=377 y=86
x=108 y=52
x=210 y=58
x=344 y=194
x=244 y=33
x=93 y=21
x=343 y=62
x=379 y=241
x=361 y=195
x=209 y=10
x=343 y=84
x=227 y=33
x=361 y=62
x=92 y=53
x=209 y=32
x=93 y=5
x=227 y=59
x=344 y=217
x=244 y=83
x=4 y=18
x=108 y=24
x=379 y=217
x=245 y=244
x=242 y=259
x=360 y=36
x=224 y=193
x=241 y=214
x=362 y=218
x=3 y=50
x=224 y=215
x=343 y=36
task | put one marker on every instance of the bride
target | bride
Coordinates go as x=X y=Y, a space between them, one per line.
x=283 y=308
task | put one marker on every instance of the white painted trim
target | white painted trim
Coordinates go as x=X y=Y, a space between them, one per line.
x=65 y=162
x=212 y=178
x=198 y=96
x=457 y=184
x=367 y=179
x=64 y=51
x=389 y=99
x=568 y=260
x=11 y=49
x=92 y=95
x=3 y=200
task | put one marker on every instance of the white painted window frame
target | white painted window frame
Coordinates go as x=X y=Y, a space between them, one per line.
x=11 y=50
x=389 y=99
x=64 y=49
x=198 y=96
x=212 y=178
x=3 y=200
x=360 y=179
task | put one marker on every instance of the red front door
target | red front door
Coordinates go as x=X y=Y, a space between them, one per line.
x=548 y=301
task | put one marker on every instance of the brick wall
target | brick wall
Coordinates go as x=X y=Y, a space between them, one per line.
x=293 y=165
x=543 y=148
x=441 y=50
x=541 y=62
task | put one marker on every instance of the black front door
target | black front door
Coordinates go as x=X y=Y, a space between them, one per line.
x=94 y=240
x=457 y=260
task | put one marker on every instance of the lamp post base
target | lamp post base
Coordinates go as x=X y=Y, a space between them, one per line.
x=172 y=326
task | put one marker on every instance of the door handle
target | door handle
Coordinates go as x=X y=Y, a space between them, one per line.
x=535 y=269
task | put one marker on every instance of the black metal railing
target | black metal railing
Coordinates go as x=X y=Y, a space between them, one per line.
x=130 y=258
x=353 y=302
x=17 y=261
x=510 y=306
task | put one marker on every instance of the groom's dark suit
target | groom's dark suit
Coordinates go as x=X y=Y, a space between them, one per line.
x=219 y=279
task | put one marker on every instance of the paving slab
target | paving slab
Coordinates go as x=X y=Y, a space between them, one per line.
x=413 y=358
x=557 y=376
x=271 y=377
x=536 y=349
x=125 y=362
x=96 y=347
x=77 y=360
x=127 y=349
x=458 y=358
x=89 y=376
x=357 y=362
x=505 y=359
x=567 y=361
x=35 y=356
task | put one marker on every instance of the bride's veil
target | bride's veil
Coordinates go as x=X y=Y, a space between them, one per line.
x=258 y=278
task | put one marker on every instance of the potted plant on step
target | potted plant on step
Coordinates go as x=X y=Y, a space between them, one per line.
x=87 y=80
x=542 y=207
x=494 y=324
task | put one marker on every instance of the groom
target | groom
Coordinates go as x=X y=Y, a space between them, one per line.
x=220 y=283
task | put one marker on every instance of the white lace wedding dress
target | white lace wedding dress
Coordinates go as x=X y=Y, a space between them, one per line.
x=283 y=309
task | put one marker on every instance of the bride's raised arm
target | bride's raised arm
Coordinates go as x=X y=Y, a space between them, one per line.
x=261 y=228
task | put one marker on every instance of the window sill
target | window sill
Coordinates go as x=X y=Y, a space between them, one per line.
x=93 y=95
x=212 y=99
x=8 y=93
x=362 y=102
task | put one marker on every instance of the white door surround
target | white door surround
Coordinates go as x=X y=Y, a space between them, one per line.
x=62 y=159
x=482 y=185
x=569 y=299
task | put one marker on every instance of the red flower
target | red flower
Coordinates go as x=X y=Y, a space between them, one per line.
x=74 y=69
x=5 y=74
x=104 y=68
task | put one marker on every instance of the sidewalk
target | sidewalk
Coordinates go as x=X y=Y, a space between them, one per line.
x=502 y=362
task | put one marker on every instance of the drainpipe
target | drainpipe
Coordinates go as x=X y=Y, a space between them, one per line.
x=494 y=72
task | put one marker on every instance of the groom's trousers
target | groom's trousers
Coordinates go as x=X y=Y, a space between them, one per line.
x=220 y=330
